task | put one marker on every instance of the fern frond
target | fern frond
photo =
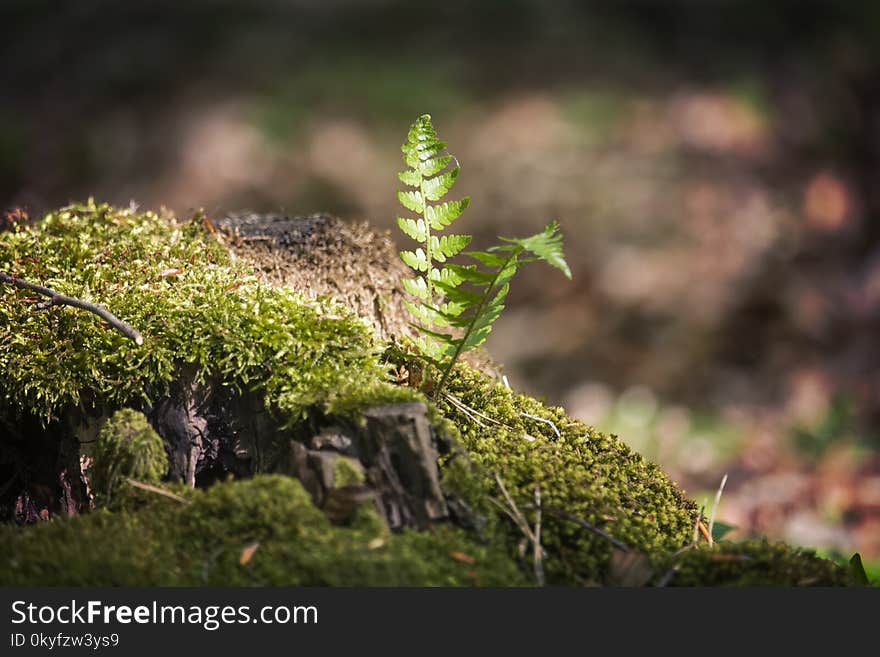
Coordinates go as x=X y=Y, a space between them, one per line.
x=464 y=299
x=430 y=178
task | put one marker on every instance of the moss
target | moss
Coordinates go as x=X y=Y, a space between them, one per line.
x=346 y=473
x=197 y=309
x=580 y=472
x=178 y=286
x=201 y=543
x=127 y=446
x=753 y=563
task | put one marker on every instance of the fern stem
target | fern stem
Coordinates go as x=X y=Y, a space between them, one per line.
x=486 y=297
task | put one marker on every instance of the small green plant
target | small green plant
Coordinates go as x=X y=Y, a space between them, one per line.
x=457 y=304
x=127 y=446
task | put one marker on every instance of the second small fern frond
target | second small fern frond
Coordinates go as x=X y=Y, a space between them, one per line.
x=482 y=300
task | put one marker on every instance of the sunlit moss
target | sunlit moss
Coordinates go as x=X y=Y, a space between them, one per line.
x=197 y=309
x=194 y=306
x=580 y=472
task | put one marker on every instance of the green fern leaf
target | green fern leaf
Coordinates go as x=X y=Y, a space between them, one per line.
x=466 y=299
x=415 y=259
x=412 y=201
x=410 y=177
x=448 y=246
x=416 y=287
x=430 y=178
x=471 y=274
x=459 y=295
x=429 y=148
x=447 y=276
x=440 y=216
x=435 y=188
x=414 y=228
x=452 y=309
x=434 y=166
x=425 y=314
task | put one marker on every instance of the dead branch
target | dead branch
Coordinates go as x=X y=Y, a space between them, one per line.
x=56 y=299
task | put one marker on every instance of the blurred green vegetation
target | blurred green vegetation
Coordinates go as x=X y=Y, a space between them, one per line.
x=382 y=93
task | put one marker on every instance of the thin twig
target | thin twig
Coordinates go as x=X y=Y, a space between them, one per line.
x=533 y=536
x=540 y=419
x=473 y=414
x=509 y=514
x=715 y=508
x=56 y=299
x=156 y=490
x=514 y=511
x=466 y=410
x=464 y=407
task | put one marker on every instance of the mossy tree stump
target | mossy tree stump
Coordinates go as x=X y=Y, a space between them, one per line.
x=289 y=423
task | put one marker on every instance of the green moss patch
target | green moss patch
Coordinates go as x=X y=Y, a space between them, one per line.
x=127 y=446
x=193 y=305
x=754 y=563
x=312 y=361
x=208 y=541
x=580 y=473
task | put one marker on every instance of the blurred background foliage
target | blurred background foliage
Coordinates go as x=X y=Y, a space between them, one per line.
x=715 y=168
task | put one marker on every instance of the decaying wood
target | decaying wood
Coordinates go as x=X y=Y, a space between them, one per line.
x=322 y=255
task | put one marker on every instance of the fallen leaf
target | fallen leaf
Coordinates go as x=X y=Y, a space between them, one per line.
x=247 y=553
x=171 y=271
x=461 y=556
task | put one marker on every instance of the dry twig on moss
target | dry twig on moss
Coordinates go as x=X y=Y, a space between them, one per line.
x=534 y=537
x=56 y=299
x=711 y=530
x=155 y=489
